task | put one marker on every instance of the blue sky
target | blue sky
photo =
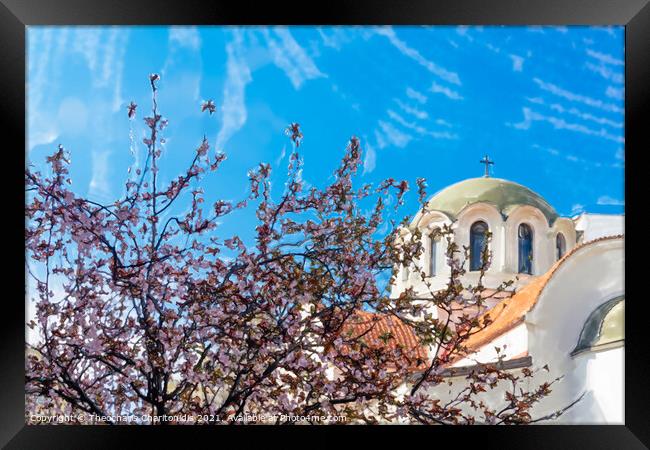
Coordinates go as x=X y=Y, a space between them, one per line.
x=546 y=103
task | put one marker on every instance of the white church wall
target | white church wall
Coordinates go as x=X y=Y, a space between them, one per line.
x=592 y=372
x=553 y=327
x=599 y=374
x=587 y=279
x=511 y=344
x=494 y=279
x=594 y=226
x=605 y=387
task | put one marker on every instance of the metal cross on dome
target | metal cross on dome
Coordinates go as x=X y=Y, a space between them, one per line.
x=487 y=162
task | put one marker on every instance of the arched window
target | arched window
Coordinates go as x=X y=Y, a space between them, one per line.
x=560 y=246
x=477 y=241
x=525 y=249
x=433 y=250
x=604 y=328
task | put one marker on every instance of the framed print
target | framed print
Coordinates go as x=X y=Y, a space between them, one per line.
x=369 y=216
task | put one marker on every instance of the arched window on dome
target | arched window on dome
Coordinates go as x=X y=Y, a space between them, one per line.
x=525 y=249
x=434 y=241
x=477 y=242
x=560 y=246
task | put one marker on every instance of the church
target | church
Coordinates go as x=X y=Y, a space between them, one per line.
x=566 y=307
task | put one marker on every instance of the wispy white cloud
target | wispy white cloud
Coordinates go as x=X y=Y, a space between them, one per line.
x=530 y=116
x=233 y=110
x=552 y=151
x=615 y=93
x=492 y=47
x=40 y=43
x=415 y=95
x=444 y=123
x=282 y=155
x=183 y=68
x=442 y=135
x=605 y=58
x=334 y=37
x=393 y=135
x=419 y=129
x=104 y=51
x=41 y=129
x=370 y=160
x=87 y=42
x=439 y=89
x=568 y=156
x=441 y=72
x=399 y=119
x=289 y=56
x=463 y=30
x=577 y=113
x=99 y=186
x=411 y=110
x=607 y=200
x=118 y=100
x=595 y=103
x=101 y=49
x=607 y=73
x=104 y=76
x=187 y=37
x=609 y=30
x=517 y=62
x=379 y=138
x=577 y=208
x=41 y=134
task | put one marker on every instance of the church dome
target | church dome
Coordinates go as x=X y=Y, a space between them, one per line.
x=503 y=194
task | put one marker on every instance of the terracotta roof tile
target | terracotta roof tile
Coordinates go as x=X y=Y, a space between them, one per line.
x=373 y=326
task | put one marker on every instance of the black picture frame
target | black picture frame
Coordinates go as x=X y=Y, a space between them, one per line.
x=16 y=15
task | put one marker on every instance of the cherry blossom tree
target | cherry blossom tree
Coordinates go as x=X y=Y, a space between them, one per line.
x=143 y=312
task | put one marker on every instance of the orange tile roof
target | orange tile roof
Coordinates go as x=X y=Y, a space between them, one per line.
x=511 y=311
x=372 y=326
